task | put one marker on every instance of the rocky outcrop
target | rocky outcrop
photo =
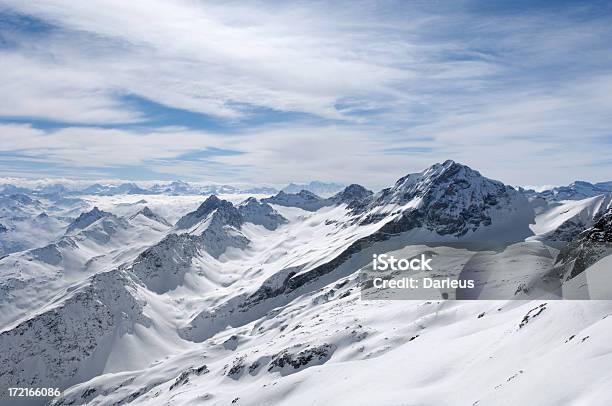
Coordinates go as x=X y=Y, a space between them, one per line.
x=287 y=362
x=587 y=248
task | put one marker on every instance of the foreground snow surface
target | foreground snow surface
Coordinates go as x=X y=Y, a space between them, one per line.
x=199 y=342
x=387 y=353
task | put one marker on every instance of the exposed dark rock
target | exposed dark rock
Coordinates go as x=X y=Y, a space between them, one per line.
x=183 y=378
x=531 y=314
x=587 y=248
x=306 y=358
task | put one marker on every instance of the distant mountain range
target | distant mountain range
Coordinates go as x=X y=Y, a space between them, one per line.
x=318 y=188
x=174 y=188
x=574 y=191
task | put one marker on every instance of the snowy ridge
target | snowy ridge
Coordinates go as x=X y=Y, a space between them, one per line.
x=577 y=190
x=32 y=278
x=509 y=347
x=148 y=213
x=563 y=221
x=223 y=209
x=85 y=220
x=69 y=342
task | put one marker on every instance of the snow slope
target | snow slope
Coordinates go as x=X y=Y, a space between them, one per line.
x=562 y=221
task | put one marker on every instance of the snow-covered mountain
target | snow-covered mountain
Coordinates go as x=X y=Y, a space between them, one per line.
x=318 y=188
x=149 y=214
x=174 y=188
x=260 y=213
x=259 y=301
x=577 y=190
x=451 y=199
x=86 y=219
x=304 y=200
x=30 y=222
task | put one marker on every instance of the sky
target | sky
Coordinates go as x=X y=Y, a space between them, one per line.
x=273 y=92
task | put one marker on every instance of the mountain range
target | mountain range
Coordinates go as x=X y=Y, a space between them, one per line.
x=174 y=188
x=122 y=295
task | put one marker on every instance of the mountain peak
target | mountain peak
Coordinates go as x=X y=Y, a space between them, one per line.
x=86 y=219
x=212 y=199
x=260 y=213
x=307 y=194
x=452 y=199
x=576 y=190
x=449 y=168
x=316 y=187
x=209 y=205
x=439 y=175
x=151 y=215
x=147 y=212
x=305 y=200
x=351 y=193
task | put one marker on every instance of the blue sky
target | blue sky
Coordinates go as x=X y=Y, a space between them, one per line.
x=257 y=92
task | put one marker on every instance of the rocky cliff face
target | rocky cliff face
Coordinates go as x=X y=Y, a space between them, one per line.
x=587 y=248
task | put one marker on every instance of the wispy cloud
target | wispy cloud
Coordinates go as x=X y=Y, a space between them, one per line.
x=359 y=91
